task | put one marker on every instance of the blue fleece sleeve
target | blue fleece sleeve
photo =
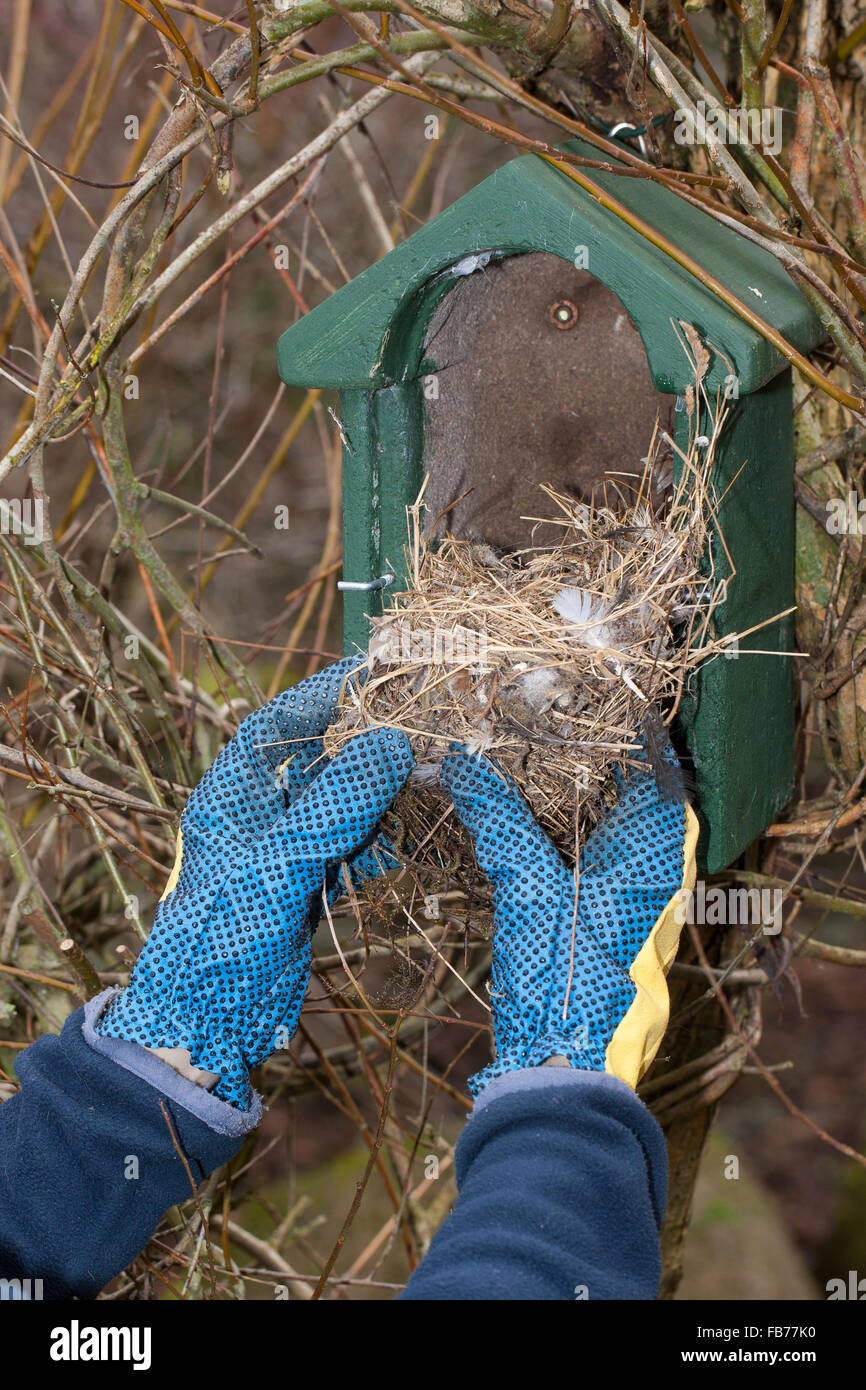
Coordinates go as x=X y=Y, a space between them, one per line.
x=561 y=1177
x=87 y=1161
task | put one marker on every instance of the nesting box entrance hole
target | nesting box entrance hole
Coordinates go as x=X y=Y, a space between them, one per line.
x=538 y=376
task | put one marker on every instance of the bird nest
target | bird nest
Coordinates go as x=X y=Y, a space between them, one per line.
x=559 y=661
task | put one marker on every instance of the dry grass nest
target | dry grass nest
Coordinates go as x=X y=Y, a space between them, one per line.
x=556 y=661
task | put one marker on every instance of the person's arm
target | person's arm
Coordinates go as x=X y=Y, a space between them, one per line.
x=88 y=1160
x=562 y=1176
x=561 y=1170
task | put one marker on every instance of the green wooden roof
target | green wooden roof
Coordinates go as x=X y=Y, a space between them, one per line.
x=363 y=335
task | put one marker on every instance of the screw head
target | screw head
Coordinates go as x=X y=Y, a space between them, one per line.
x=563 y=313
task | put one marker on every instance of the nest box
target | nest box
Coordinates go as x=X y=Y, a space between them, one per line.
x=527 y=335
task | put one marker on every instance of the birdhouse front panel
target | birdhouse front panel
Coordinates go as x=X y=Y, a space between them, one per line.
x=529 y=335
x=539 y=375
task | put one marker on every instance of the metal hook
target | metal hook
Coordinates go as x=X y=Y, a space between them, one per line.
x=355 y=584
x=626 y=125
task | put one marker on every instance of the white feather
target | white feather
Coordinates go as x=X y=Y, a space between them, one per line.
x=480 y=741
x=384 y=648
x=541 y=687
x=582 y=610
x=427 y=774
x=469 y=264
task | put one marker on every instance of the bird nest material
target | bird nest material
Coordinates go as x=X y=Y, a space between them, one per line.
x=557 y=660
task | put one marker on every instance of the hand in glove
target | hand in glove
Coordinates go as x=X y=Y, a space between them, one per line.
x=587 y=985
x=264 y=833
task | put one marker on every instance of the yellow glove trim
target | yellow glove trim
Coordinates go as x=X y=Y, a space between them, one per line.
x=175 y=873
x=636 y=1040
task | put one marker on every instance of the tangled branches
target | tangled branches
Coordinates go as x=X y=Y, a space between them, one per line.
x=183 y=161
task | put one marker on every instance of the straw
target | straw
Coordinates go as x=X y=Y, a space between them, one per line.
x=552 y=661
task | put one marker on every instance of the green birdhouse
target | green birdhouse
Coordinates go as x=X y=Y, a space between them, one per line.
x=528 y=334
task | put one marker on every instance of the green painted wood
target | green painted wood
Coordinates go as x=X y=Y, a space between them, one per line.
x=368 y=340
x=738 y=721
x=358 y=338
x=360 y=512
x=382 y=475
x=399 y=417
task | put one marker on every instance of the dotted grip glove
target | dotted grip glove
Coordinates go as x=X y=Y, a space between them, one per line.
x=265 y=831
x=590 y=987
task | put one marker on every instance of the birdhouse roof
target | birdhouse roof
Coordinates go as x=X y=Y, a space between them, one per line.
x=369 y=334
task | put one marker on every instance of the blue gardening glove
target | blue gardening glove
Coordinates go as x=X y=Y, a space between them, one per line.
x=590 y=987
x=265 y=831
